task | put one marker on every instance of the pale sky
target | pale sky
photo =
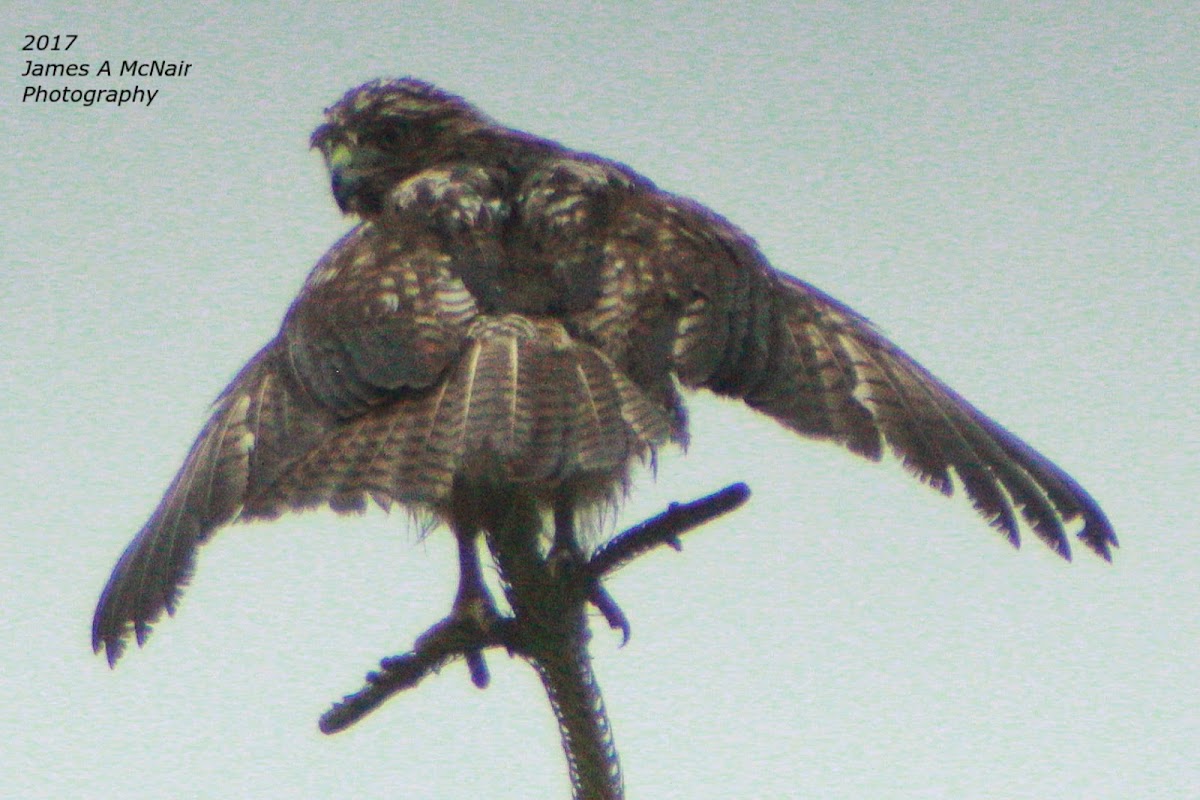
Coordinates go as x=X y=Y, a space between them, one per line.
x=1010 y=192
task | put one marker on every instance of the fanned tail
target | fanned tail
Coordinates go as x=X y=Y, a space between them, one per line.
x=523 y=404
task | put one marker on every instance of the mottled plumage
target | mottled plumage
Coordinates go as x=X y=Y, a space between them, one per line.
x=514 y=316
x=387 y=383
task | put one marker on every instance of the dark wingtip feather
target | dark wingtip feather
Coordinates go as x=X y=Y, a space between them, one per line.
x=1099 y=536
x=104 y=639
x=1062 y=547
x=1002 y=519
x=1010 y=531
x=938 y=480
x=1049 y=529
x=112 y=651
x=867 y=443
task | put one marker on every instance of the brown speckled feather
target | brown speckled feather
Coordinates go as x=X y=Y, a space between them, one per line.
x=512 y=312
x=523 y=404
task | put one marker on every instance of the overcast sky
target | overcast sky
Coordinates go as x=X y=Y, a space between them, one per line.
x=1010 y=192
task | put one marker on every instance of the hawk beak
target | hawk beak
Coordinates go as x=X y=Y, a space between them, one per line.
x=344 y=188
x=343 y=178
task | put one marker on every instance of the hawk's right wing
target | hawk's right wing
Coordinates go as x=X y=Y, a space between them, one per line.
x=830 y=372
x=684 y=293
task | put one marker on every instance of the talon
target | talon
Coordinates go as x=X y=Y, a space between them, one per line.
x=473 y=603
x=478 y=668
x=477 y=612
x=613 y=615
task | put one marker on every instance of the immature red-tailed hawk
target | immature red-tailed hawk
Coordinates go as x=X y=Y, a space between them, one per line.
x=511 y=321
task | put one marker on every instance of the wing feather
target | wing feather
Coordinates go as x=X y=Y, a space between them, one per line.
x=673 y=270
x=933 y=430
x=257 y=422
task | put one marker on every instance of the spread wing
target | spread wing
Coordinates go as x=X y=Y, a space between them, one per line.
x=683 y=292
x=379 y=317
x=833 y=375
x=259 y=423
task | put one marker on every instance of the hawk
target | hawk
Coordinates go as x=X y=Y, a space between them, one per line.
x=513 y=323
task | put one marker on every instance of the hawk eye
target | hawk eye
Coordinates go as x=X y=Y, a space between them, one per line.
x=391 y=134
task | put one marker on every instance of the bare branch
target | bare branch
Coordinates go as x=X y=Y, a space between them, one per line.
x=666 y=529
x=452 y=638
x=547 y=625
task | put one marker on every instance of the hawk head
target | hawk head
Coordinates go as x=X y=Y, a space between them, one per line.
x=384 y=131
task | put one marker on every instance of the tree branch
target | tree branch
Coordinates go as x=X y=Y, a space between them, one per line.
x=666 y=529
x=558 y=593
x=450 y=639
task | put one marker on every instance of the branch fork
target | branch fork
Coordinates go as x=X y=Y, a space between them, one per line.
x=548 y=627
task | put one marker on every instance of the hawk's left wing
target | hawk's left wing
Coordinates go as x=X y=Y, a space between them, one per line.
x=380 y=316
x=260 y=422
x=384 y=312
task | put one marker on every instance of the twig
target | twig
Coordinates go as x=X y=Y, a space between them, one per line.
x=666 y=529
x=453 y=637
